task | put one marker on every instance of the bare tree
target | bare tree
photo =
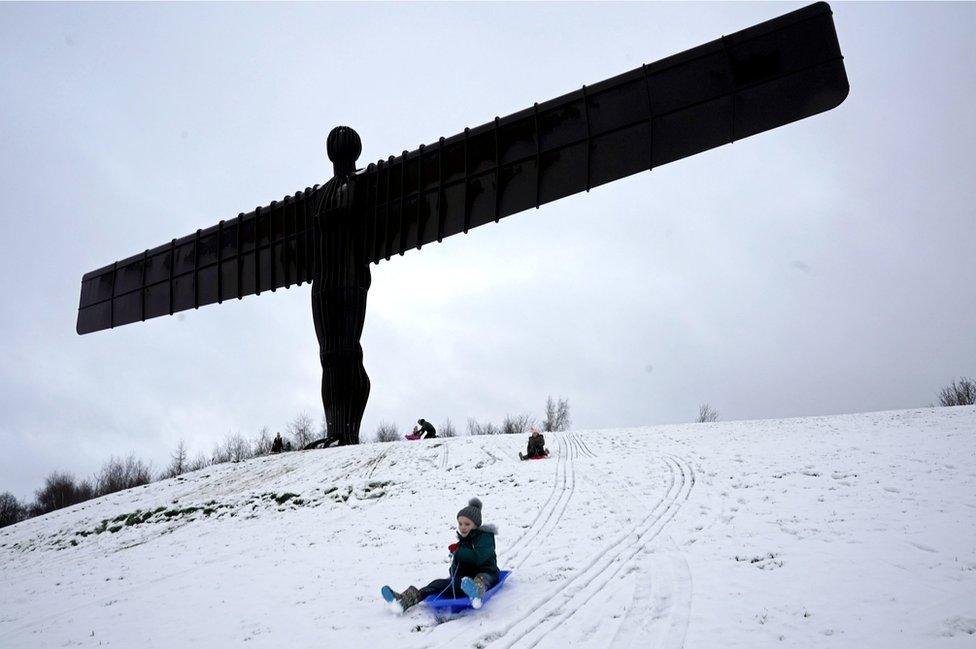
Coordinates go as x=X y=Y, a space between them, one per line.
x=302 y=430
x=557 y=415
x=706 y=414
x=262 y=445
x=238 y=448
x=60 y=490
x=961 y=393
x=118 y=474
x=178 y=462
x=517 y=424
x=11 y=511
x=387 y=432
x=447 y=429
x=476 y=428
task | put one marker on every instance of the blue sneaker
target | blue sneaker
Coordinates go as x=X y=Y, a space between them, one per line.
x=474 y=589
x=400 y=602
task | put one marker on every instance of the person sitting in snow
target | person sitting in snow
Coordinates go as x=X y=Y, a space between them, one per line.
x=536 y=446
x=474 y=566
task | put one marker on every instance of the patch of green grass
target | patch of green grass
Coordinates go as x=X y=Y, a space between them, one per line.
x=136 y=517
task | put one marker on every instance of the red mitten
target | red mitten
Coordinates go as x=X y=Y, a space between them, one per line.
x=452 y=547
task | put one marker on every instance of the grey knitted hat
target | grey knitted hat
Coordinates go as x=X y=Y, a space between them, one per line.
x=472 y=512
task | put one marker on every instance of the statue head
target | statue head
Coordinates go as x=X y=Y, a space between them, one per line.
x=343 y=146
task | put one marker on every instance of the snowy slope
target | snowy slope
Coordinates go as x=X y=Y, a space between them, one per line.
x=846 y=531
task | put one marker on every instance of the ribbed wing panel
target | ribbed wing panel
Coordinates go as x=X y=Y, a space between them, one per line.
x=263 y=250
x=774 y=73
x=763 y=77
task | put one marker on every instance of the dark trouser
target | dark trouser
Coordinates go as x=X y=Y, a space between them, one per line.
x=535 y=450
x=449 y=589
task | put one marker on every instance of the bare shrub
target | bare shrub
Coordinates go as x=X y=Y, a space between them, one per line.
x=557 y=415
x=387 y=432
x=706 y=414
x=234 y=448
x=447 y=429
x=302 y=430
x=118 y=474
x=516 y=425
x=197 y=463
x=11 y=511
x=477 y=428
x=60 y=490
x=958 y=393
x=262 y=445
x=219 y=455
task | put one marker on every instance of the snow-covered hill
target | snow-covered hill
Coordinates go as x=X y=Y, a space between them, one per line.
x=845 y=531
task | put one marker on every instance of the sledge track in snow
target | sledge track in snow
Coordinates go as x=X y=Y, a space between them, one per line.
x=581 y=445
x=659 y=618
x=548 y=516
x=494 y=458
x=586 y=446
x=563 y=602
x=659 y=612
x=370 y=467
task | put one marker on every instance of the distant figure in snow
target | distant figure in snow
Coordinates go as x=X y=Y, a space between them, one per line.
x=474 y=566
x=277 y=445
x=536 y=446
x=426 y=430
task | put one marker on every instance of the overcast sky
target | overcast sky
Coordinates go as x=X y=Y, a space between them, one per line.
x=824 y=267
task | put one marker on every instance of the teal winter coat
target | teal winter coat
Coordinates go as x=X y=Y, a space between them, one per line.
x=475 y=553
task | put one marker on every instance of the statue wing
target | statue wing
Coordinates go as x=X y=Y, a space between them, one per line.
x=263 y=250
x=768 y=75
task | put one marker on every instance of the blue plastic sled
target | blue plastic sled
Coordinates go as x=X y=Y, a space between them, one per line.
x=444 y=605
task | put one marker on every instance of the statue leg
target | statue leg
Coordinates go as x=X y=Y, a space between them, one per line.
x=339 y=314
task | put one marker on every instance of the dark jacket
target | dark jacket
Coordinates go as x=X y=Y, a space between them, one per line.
x=427 y=431
x=536 y=445
x=476 y=553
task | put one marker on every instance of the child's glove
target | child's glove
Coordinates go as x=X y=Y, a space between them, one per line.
x=452 y=548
